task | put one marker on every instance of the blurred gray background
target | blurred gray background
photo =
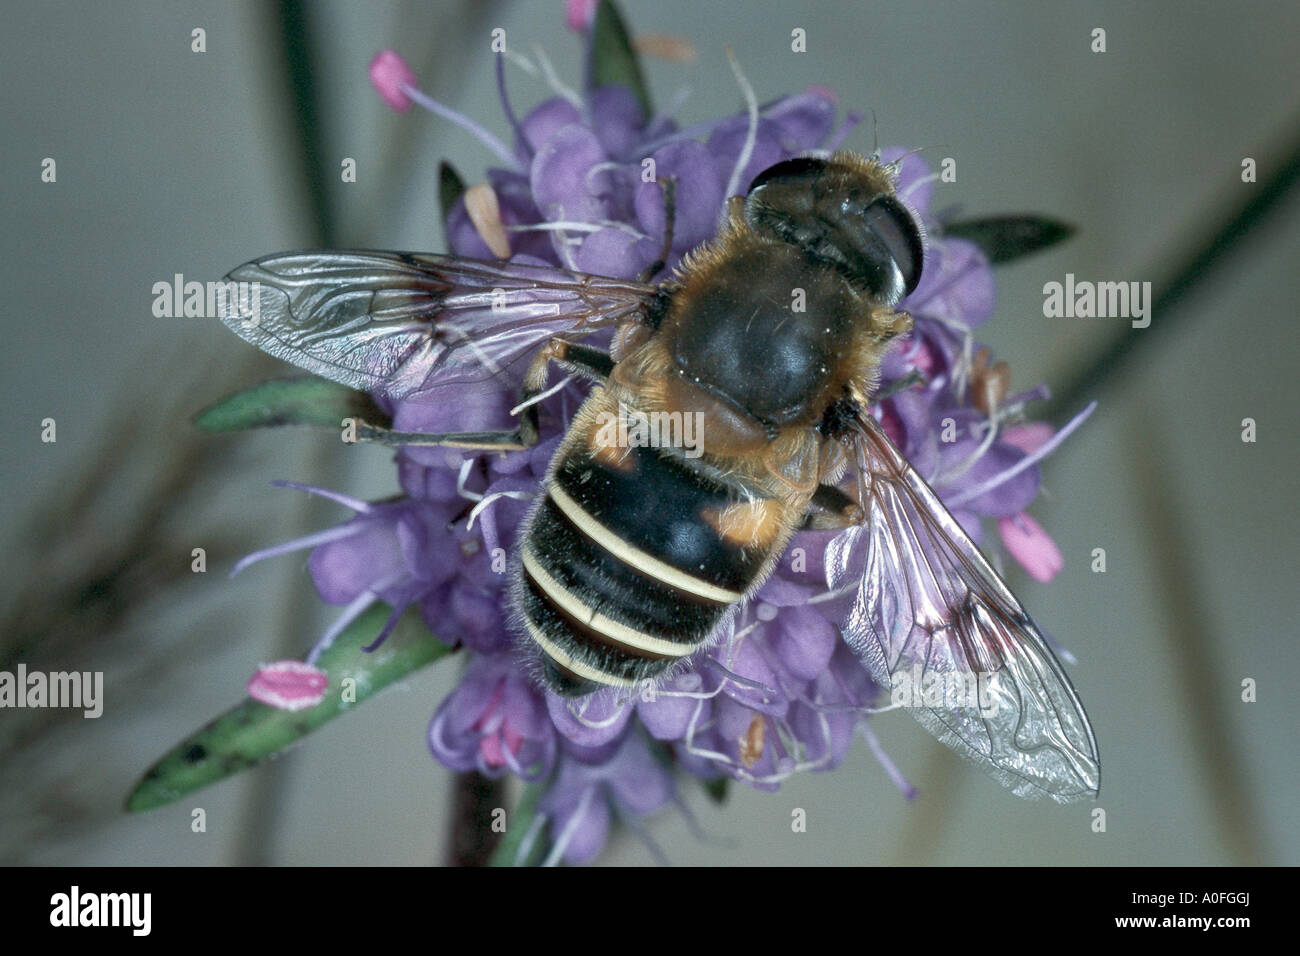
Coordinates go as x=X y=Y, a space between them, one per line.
x=169 y=161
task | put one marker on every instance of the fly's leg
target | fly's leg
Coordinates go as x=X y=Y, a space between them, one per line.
x=669 y=185
x=832 y=509
x=590 y=363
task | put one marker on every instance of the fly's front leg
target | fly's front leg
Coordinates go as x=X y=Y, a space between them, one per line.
x=470 y=441
x=583 y=360
x=592 y=364
x=669 y=186
x=832 y=509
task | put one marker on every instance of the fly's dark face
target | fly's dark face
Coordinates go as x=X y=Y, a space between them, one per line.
x=794 y=302
x=842 y=214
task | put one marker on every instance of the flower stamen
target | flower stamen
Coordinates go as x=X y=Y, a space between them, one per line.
x=751 y=134
x=971 y=494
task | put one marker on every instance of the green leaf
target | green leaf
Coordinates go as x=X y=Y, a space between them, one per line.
x=306 y=400
x=1004 y=238
x=253 y=731
x=520 y=824
x=611 y=61
x=450 y=188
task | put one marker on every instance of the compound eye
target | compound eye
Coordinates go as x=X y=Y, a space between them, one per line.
x=896 y=229
x=801 y=169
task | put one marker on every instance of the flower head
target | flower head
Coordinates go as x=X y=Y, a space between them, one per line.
x=778 y=691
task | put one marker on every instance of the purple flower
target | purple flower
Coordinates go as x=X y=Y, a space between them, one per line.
x=627 y=781
x=494 y=721
x=779 y=691
x=390 y=552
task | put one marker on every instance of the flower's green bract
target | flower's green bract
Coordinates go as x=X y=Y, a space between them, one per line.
x=1003 y=238
x=451 y=186
x=251 y=732
x=304 y=400
x=613 y=62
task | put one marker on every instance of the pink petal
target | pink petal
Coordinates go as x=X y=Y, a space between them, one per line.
x=1031 y=546
x=490 y=747
x=825 y=92
x=579 y=14
x=288 y=685
x=924 y=359
x=512 y=738
x=388 y=74
x=1028 y=436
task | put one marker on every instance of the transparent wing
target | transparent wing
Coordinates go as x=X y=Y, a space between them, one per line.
x=929 y=617
x=409 y=324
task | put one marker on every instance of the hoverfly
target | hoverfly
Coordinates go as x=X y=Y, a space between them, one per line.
x=635 y=554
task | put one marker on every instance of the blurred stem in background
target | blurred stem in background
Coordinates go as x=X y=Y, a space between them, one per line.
x=290 y=23
x=471 y=842
x=1206 y=257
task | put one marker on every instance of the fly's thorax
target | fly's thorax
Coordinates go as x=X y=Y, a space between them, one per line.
x=764 y=330
x=759 y=459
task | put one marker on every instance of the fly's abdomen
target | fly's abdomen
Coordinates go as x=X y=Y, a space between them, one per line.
x=631 y=560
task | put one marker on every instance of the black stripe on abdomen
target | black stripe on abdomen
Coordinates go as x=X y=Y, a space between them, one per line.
x=656 y=502
x=621 y=575
x=615 y=586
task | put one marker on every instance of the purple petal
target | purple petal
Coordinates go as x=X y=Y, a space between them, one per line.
x=560 y=184
x=615 y=252
x=477 y=620
x=909 y=420
x=464 y=409
x=911 y=175
x=728 y=140
x=749 y=663
x=617 y=119
x=525 y=709
x=803 y=563
x=423 y=539
x=586 y=834
x=956 y=285
x=846 y=682
x=342 y=570
x=803 y=121
x=545 y=120
x=698 y=195
x=429 y=483
x=668 y=717
x=825 y=735
x=781 y=592
x=803 y=640
x=602 y=718
x=639 y=782
x=1007 y=498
